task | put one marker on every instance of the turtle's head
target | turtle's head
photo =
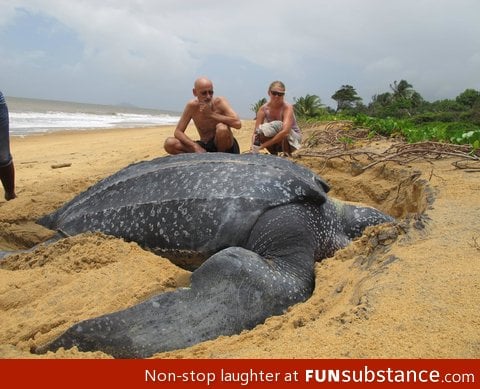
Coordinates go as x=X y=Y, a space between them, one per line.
x=356 y=217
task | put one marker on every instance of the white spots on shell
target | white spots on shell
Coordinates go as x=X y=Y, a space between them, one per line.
x=299 y=191
x=183 y=209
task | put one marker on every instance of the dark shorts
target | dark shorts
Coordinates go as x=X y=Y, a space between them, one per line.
x=211 y=148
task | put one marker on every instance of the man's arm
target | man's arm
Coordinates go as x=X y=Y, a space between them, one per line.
x=224 y=113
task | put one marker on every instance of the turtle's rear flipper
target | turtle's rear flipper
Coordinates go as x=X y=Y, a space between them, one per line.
x=233 y=290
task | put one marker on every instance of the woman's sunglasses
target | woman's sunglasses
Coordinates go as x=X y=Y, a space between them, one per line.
x=275 y=93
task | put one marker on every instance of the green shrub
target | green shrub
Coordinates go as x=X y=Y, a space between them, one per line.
x=428 y=117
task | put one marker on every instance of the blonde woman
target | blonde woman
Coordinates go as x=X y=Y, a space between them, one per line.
x=276 y=128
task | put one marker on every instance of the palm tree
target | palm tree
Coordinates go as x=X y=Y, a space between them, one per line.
x=401 y=90
x=308 y=106
x=255 y=107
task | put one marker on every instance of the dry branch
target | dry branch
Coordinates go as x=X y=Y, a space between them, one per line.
x=401 y=153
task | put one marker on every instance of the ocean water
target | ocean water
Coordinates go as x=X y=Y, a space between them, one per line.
x=33 y=116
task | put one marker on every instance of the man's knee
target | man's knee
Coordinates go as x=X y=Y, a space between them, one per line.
x=223 y=129
x=223 y=133
x=168 y=142
x=223 y=137
x=171 y=145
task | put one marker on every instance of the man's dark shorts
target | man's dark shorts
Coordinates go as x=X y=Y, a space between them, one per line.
x=211 y=148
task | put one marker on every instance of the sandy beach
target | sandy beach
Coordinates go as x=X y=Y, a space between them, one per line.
x=409 y=290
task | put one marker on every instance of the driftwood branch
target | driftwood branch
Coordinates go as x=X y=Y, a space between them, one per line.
x=60 y=165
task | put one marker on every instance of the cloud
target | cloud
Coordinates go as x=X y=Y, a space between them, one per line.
x=149 y=52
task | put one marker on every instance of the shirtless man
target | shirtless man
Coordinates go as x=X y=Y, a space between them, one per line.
x=213 y=118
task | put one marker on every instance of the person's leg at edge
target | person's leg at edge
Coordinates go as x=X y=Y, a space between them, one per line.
x=7 y=176
x=7 y=170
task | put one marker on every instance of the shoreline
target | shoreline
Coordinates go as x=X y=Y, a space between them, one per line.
x=247 y=124
x=65 y=131
x=163 y=131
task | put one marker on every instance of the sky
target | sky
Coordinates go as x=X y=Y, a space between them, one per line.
x=149 y=52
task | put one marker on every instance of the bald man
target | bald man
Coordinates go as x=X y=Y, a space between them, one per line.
x=213 y=117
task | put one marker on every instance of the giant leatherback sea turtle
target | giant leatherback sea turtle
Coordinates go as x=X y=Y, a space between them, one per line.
x=254 y=225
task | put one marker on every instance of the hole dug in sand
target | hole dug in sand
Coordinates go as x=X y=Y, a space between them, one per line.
x=398 y=191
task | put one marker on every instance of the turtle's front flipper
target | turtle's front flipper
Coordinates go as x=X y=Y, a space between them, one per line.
x=233 y=290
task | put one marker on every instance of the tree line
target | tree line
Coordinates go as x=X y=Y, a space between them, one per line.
x=402 y=110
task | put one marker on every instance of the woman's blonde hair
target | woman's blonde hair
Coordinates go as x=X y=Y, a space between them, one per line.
x=280 y=84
